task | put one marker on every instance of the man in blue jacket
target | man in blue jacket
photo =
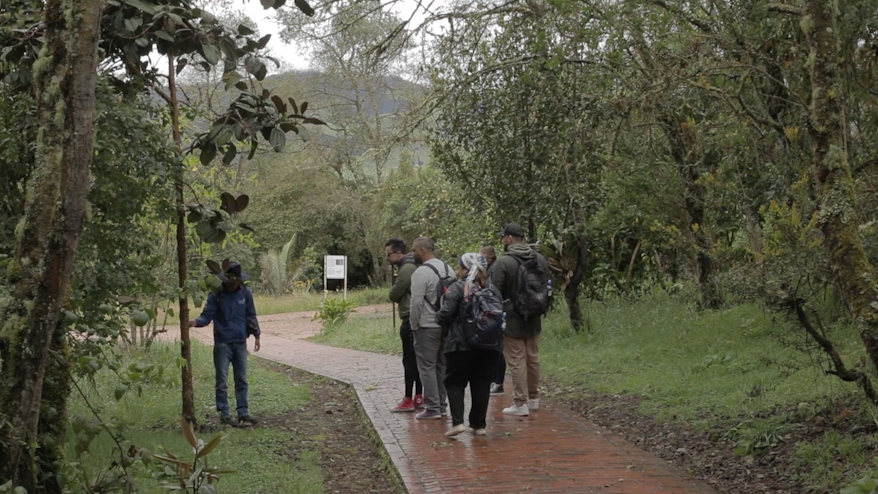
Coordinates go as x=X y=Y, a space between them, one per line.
x=230 y=309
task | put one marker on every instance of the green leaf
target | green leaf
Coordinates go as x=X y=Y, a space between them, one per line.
x=214 y=266
x=144 y=6
x=193 y=217
x=277 y=139
x=188 y=433
x=241 y=202
x=267 y=4
x=165 y=36
x=211 y=53
x=279 y=103
x=303 y=134
x=263 y=42
x=293 y=104
x=120 y=391
x=142 y=42
x=208 y=153
x=304 y=7
x=316 y=121
x=231 y=79
x=246 y=227
x=303 y=107
x=210 y=446
x=244 y=30
x=230 y=154
x=203 y=229
x=241 y=85
x=228 y=203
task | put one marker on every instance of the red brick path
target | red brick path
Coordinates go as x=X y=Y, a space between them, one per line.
x=553 y=450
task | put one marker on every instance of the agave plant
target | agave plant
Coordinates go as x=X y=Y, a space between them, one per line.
x=276 y=275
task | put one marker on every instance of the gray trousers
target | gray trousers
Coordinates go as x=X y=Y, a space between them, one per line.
x=430 y=352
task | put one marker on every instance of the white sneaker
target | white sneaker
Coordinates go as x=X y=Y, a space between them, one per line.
x=533 y=404
x=518 y=410
x=457 y=429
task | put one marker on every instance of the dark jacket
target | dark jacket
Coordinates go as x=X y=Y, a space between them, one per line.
x=229 y=312
x=504 y=274
x=401 y=291
x=453 y=313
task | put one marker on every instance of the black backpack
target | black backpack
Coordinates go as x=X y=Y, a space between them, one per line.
x=531 y=289
x=485 y=320
x=442 y=287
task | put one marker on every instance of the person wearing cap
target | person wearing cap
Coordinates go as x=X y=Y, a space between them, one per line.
x=230 y=309
x=467 y=364
x=522 y=337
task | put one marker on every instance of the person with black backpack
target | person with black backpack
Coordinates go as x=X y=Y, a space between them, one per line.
x=429 y=283
x=472 y=312
x=522 y=275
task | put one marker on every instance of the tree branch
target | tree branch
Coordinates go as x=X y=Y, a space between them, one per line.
x=782 y=8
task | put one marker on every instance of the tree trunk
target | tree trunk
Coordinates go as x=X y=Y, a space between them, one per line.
x=838 y=218
x=572 y=289
x=685 y=153
x=188 y=388
x=35 y=360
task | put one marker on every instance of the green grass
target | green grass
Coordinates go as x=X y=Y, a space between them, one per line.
x=370 y=333
x=260 y=455
x=299 y=302
x=684 y=363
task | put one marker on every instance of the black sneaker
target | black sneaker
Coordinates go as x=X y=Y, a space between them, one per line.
x=247 y=421
x=496 y=389
x=226 y=420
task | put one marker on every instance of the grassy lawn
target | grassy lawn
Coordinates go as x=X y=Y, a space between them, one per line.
x=299 y=302
x=261 y=456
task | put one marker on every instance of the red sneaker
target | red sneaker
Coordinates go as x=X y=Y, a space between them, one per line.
x=406 y=405
x=419 y=401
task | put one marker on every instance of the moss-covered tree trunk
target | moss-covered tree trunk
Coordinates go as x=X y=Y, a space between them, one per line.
x=35 y=378
x=838 y=218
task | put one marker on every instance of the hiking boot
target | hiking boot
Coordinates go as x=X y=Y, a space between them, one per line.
x=226 y=420
x=533 y=404
x=428 y=415
x=406 y=405
x=247 y=421
x=517 y=410
x=457 y=429
x=419 y=401
x=496 y=389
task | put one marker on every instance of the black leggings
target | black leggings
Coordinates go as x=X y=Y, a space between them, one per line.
x=409 y=361
x=476 y=367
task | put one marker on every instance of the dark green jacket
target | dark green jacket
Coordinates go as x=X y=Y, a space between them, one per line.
x=400 y=292
x=504 y=274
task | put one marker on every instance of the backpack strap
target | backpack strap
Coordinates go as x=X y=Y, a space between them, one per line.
x=435 y=304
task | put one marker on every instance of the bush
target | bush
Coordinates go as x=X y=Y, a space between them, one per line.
x=333 y=312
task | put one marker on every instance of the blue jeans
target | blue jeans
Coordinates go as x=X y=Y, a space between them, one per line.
x=223 y=355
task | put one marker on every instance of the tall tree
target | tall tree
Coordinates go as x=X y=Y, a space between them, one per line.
x=35 y=386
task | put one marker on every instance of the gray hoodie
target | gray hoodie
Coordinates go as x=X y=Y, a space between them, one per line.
x=424 y=282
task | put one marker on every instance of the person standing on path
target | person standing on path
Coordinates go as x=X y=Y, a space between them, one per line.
x=231 y=309
x=468 y=364
x=428 y=334
x=490 y=255
x=401 y=294
x=522 y=336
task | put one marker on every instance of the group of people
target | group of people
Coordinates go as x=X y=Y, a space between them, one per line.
x=439 y=360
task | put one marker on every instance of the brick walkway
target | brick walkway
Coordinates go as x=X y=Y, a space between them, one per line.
x=553 y=450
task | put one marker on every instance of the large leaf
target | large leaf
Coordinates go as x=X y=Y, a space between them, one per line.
x=210 y=446
x=304 y=7
x=241 y=202
x=229 y=205
x=188 y=433
x=277 y=139
x=208 y=153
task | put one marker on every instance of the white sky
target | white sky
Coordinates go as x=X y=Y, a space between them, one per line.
x=297 y=57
